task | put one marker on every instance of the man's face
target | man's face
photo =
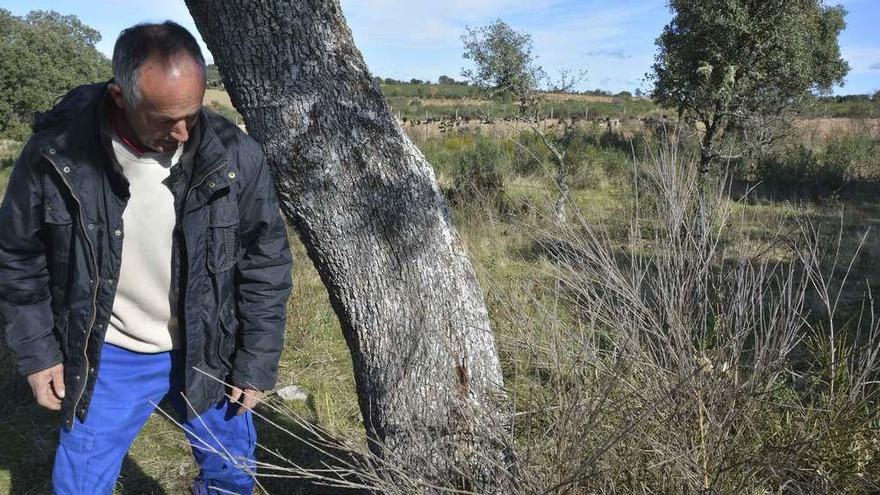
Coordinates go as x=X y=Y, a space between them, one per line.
x=171 y=97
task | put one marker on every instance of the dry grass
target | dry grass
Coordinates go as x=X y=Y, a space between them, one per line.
x=822 y=129
x=639 y=357
x=664 y=361
x=217 y=96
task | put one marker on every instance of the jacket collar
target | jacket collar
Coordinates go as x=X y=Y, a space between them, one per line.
x=84 y=142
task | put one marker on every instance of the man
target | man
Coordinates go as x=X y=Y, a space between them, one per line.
x=143 y=257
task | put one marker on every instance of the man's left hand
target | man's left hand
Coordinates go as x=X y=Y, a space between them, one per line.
x=246 y=398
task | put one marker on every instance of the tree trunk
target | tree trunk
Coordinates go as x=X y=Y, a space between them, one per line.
x=704 y=185
x=368 y=209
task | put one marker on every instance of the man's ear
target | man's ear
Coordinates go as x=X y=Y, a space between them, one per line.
x=116 y=93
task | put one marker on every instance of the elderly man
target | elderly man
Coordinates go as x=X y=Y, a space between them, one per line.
x=143 y=257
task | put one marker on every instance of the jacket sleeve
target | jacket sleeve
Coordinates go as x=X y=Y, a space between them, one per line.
x=25 y=310
x=263 y=280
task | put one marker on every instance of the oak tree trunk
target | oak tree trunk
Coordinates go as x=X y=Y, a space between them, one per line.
x=368 y=209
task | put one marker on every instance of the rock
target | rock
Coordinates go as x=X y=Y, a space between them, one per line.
x=292 y=392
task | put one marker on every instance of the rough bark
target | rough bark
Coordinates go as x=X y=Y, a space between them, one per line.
x=367 y=206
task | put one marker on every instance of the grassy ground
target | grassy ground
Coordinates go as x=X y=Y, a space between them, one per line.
x=435 y=101
x=316 y=358
x=513 y=270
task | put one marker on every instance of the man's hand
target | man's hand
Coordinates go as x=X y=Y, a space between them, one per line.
x=48 y=386
x=246 y=398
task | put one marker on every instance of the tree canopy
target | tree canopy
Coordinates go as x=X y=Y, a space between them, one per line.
x=725 y=62
x=504 y=64
x=42 y=56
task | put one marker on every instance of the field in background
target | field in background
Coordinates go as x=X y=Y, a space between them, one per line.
x=438 y=102
x=827 y=173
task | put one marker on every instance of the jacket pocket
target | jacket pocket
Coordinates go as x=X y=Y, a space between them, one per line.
x=57 y=234
x=222 y=238
x=58 y=226
x=55 y=212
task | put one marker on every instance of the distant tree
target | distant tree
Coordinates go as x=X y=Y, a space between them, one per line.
x=504 y=65
x=744 y=66
x=638 y=93
x=446 y=80
x=416 y=81
x=876 y=97
x=626 y=95
x=42 y=56
x=215 y=80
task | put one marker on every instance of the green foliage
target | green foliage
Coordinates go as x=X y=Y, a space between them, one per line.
x=572 y=108
x=215 y=80
x=446 y=80
x=849 y=165
x=503 y=61
x=5 y=172
x=478 y=177
x=228 y=112
x=478 y=166
x=725 y=62
x=448 y=91
x=42 y=56
x=858 y=154
x=594 y=156
x=9 y=151
x=793 y=430
x=594 y=163
x=444 y=153
x=799 y=172
x=849 y=106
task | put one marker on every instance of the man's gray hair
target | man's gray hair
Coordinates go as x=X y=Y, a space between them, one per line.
x=139 y=42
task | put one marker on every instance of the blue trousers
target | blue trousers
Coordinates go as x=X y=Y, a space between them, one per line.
x=90 y=454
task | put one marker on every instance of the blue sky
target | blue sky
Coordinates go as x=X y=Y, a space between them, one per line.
x=612 y=40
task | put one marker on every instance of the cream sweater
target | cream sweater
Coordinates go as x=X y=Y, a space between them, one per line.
x=144 y=315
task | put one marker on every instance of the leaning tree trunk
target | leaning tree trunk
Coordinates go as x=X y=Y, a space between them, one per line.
x=367 y=206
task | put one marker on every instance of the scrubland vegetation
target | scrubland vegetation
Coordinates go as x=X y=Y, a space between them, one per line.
x=640 y=355
x=680 y=331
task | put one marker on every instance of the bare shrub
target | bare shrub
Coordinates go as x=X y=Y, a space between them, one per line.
x=676 y=359
x=710 y=371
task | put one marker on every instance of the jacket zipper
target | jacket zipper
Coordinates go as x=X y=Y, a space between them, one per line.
x=183 y=236
x=203 y=179
x=97 y=275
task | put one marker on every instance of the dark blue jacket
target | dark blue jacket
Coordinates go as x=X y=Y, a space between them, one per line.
x=61 y=236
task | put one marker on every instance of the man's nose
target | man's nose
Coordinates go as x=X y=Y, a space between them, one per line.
x=179 y=132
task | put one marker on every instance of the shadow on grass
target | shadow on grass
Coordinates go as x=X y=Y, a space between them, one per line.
x=815 y=189
x=296 y=448
x=29 y=437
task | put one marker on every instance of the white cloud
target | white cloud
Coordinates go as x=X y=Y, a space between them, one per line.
x=605 y=39
x=862 y=59
x=407 y=22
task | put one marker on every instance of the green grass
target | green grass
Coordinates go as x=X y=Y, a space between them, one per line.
x=831 y=108
x=409 y=90
x=425 y=107
x=513 y=271
x=4 y=179
x=315 y=357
